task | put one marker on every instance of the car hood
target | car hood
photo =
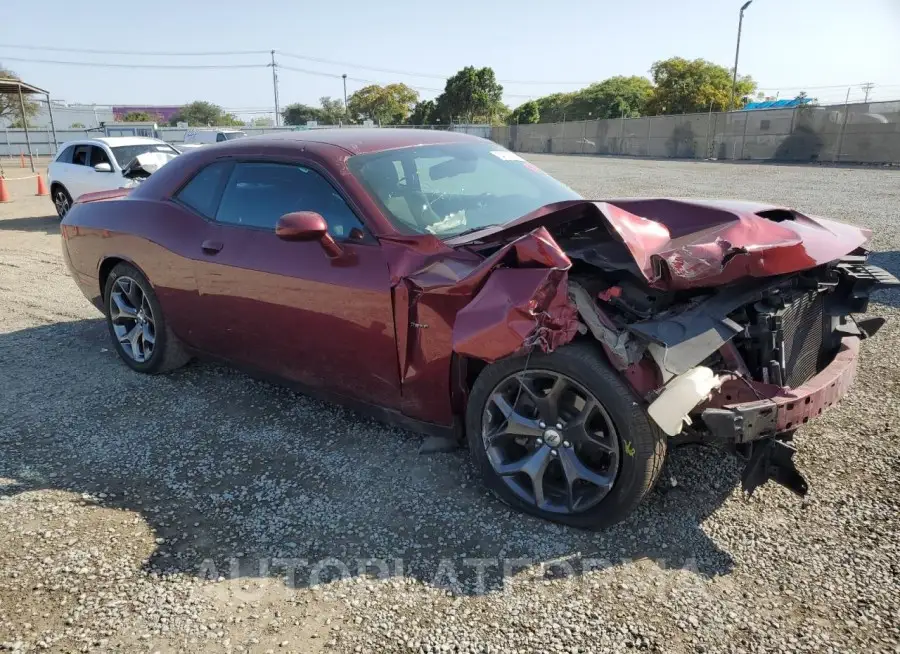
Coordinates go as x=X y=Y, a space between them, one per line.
x=685 y=243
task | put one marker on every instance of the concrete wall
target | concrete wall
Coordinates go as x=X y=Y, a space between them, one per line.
x=857 y=133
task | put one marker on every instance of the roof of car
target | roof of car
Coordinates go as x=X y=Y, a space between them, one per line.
x=113 y=141
x=363 y=140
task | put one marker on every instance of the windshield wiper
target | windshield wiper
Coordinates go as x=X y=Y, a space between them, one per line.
x=471 y=230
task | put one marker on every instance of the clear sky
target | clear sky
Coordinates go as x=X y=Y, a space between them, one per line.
x=787 y=45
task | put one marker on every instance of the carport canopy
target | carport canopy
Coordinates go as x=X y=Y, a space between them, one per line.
x=12 y=86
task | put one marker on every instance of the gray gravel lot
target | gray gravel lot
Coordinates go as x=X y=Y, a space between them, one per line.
x=205 y=511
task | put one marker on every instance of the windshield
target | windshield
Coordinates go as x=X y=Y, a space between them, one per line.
x=125 y=153
x=230 y=136
x=453 y=188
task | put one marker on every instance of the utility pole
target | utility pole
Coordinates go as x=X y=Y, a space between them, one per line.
x=275 y=89
x=737 y=52
x=867 y=87
x=345 y=91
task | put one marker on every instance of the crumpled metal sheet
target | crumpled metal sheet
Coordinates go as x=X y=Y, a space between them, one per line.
x=680 y=244
x=514 y=298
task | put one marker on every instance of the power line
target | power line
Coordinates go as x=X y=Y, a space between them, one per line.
x=95 y=64
x=293 y=55
x=394 y=71
x=141 y=53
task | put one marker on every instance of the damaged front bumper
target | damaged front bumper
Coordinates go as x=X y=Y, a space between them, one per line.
x=757 y=424
x=751 y=421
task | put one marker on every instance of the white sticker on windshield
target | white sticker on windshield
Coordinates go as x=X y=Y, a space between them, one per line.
x=506 y=155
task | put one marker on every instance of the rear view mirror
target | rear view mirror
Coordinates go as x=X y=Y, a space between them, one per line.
x=452 y=168
x=307 y=226
x=103 y=168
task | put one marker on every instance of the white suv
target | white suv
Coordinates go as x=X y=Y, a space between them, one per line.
x=96 y=165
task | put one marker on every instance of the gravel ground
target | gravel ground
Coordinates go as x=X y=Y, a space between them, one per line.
x=205 y=511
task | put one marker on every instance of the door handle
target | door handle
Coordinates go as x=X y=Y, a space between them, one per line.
x=211 y=247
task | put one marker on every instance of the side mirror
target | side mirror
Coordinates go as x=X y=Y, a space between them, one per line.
x=307 y=226
x=103 y=168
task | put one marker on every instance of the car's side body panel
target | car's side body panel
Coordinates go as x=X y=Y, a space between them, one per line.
x=157 y=242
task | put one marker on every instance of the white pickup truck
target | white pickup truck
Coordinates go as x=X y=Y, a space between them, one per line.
x=195 y=138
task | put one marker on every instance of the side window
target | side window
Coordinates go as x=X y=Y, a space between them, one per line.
x=258 y=194
x=220 y=137
x=202 y=193
x=98 y=156
x=66 y=155
x=82 y=155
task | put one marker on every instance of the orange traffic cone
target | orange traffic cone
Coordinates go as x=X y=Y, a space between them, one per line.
x=4 y=194
x=21 y=160
x=42 y=188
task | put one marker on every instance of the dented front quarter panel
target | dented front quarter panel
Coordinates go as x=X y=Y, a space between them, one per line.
x=450 y=300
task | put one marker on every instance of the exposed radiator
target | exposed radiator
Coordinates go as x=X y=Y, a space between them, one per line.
x=803 y=329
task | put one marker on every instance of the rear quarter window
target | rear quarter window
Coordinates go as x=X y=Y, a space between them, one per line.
x=203 y=192
x=66 y=155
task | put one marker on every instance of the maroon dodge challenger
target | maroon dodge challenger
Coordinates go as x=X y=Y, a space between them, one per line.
x=442 y=282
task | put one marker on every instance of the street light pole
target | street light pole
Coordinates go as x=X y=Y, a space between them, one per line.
x=345 y=91
x=737 y=52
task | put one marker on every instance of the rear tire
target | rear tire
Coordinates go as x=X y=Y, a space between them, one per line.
x=61 y=200
x=617 y=446
x=139 y=330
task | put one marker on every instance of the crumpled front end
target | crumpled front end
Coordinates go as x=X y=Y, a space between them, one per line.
x=731 y=320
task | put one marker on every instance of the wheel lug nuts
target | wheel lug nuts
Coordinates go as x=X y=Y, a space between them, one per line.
x=559 y=425
x=540 y=441
x=567 y=444
x=542 y=424
x=554 y=452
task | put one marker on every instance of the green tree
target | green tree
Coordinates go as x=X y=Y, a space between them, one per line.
x=76 y=125
x=300 y=114
x=472 y=95
x=229 y=120
x=525 y=114
x=556 y=108
x=387 y=105
x=423 y=113
x=203 y=114
x=612 y=98
x=690 y=86
x=137 y=117
x=10 y=109
x=262 y=121
x=332 y=111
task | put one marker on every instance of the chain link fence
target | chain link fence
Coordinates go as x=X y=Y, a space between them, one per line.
x=13 y=142
x=848 y=133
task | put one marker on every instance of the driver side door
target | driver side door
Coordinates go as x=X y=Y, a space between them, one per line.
x=286 y=308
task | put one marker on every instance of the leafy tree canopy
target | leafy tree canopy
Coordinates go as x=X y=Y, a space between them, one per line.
x=204 y=114
x=332 y=111
x=685 y=86
x=137 y=117
x=387 y=105
x=612 y=98
x=524 y=114
x=471 y=95
x=299 y=114
x=424 y=113
x=10 y=108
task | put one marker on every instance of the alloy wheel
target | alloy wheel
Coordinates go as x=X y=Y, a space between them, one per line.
x=61 y=200
x=551 y=441
x=132 y=319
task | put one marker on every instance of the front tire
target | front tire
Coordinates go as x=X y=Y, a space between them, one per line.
x=564 y=439
x=136 y=323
